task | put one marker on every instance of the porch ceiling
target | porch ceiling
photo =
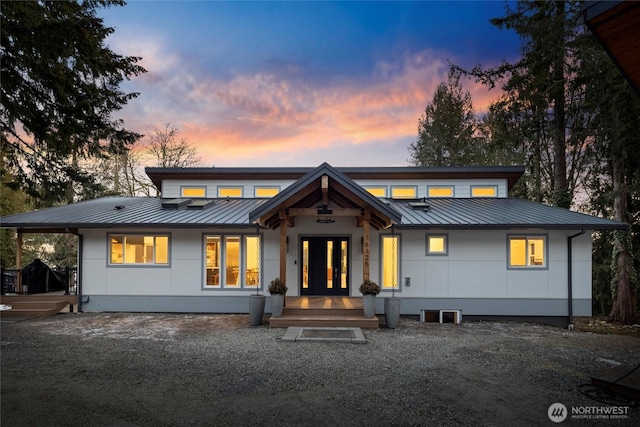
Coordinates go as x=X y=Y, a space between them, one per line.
x=307 y=200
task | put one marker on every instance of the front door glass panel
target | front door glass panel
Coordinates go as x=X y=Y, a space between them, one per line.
x=325 y=266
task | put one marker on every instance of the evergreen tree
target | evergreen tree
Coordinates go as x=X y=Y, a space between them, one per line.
x=614 y=143
x=535 y=88
x=567 y=112
x=447 y=130
x=60 y=85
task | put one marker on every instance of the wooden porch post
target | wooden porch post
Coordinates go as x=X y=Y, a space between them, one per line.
x=283 y=247
x=19 y=261
x=366 y=229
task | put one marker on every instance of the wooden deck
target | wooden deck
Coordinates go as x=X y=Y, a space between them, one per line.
x=37 y=305
x=324 y=311
x=623 y=379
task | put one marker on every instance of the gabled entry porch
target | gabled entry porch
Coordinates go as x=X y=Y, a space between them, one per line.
x=324 y=311
x=316 y=208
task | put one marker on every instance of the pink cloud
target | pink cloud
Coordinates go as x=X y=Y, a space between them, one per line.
x=268 y=117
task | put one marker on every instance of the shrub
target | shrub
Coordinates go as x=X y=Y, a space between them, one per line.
x=369 y=288
x=277 y=286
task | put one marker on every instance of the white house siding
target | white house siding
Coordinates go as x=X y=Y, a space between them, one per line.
x=472 y=277
x=462 y=187
x=171 y=188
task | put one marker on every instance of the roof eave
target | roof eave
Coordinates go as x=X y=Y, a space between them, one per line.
x=592 y=227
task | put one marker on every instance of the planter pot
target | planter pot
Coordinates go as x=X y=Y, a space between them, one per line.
x=369 y=306
x=277 y=304
x=256 y=309
x=392 y=311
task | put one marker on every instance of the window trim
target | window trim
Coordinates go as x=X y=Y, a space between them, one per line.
x=528 y=236
x=243 y=287
x=193 y=187
x=404 y=187
x=231 y=187
x=398 y=264
x=428 y=251
x=450 y=187
x=266 y=187
x=495 y=187
x=384 y=188
x=139 y=265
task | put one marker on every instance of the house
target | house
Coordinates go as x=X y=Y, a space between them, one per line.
x=440 y=237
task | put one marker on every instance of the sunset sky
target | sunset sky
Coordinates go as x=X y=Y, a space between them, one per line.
x=300 y=83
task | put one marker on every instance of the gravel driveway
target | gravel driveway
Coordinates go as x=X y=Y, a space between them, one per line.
x=110 y=369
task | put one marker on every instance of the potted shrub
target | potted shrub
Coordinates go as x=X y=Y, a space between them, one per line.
x=277 y=289
x=369 y=290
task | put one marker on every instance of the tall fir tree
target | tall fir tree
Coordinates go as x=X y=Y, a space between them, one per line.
x=447 y=132
x=60 y=86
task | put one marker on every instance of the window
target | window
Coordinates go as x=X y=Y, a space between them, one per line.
x=266 y=191
x=377 y=191
x=437 y=244
x=232 y=262
x=527 y=251
x=404 y=192
x=213 y=260
x=193 y=192
x=138 y=249
x=440 y=191
x=390 y=262
x=229 y=191
x=484 y=191
x=252 y=257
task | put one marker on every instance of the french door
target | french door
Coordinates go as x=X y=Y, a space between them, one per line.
x=325 y=266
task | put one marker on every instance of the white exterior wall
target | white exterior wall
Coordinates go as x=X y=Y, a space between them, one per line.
x=462 y=187
x=171 y=188
x=474 y=276
x=184 y=276
x=476 y=266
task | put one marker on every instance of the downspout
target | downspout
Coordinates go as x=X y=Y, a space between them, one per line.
x=570 y=277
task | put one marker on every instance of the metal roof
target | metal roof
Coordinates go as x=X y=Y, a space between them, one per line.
x=449 y=213
x=495 y=213
x=135 y=211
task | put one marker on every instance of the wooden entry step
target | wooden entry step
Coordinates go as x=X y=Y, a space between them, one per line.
x=323 y=312
x=35 y=305
x=324 y=321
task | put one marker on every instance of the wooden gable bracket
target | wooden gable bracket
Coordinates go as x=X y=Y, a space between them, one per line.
x=290 y=219
x=324 y=185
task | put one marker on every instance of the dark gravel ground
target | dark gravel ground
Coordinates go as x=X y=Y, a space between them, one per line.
x=106 y=369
